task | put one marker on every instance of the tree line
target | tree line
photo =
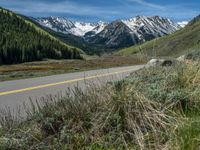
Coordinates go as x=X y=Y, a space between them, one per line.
x=23 y=42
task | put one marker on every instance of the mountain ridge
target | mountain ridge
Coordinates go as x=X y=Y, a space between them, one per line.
x=176 y=44
x=135 y=30
x=138 y=30
x=66 y=26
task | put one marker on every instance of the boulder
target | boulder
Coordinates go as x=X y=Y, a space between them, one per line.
x=181 y=58
x=160 y=62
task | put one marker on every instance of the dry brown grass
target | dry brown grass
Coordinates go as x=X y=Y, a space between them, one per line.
x=50 y=67
x=114 y=116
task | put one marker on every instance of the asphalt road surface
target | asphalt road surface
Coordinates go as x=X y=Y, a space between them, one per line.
x=15 y=93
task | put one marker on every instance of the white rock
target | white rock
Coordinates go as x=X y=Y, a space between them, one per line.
x=160 y=62
x=155 y=62
x=181 y=58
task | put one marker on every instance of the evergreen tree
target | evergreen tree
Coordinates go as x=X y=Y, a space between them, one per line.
x=21 y=41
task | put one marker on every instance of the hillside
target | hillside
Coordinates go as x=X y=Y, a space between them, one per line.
x=23 y=41
x=79 y=42
x=175 y=44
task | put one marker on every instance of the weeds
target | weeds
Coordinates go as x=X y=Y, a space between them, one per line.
x=156 y=108
x=193 y=55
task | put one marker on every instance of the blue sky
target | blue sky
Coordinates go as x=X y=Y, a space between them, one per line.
x=105 y=10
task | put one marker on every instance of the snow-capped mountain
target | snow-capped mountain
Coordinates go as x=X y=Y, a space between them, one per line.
x=117 y=34
x=153 y=25
x=60 y=24
x=183 y=23
x=122 y=33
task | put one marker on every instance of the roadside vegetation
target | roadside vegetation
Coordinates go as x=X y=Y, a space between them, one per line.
x=155 y=108
x=51 y=67
x=193 y=55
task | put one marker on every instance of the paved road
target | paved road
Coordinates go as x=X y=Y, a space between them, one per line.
x=15 y=93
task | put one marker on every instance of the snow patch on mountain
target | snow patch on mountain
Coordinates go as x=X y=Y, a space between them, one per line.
x=183 y=23
x=82 y=28
x=99 y=27
x=154 y=25
x=119 y=33
x=60 y=24
x=124 y=33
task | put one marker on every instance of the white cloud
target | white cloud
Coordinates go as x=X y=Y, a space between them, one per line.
x=147 y=4
x=59 y=7
x=87 y=11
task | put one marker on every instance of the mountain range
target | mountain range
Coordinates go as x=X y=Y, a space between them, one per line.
x=61 y=24
x=25 y=39
x=116 y=34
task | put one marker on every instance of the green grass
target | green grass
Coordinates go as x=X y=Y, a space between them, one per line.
x=188 y=134
x=175 y=44
x=193 y=55
x=155 y=108
x=51 y=67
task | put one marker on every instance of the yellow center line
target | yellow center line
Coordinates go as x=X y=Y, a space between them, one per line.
x=64 y=82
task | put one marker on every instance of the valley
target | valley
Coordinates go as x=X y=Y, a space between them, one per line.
x=60 y=38
x=71 y=81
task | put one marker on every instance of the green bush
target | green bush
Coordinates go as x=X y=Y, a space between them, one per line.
x=193 y=55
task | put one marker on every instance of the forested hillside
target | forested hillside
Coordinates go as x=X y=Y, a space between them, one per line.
x=79 y=42
x=22 y=41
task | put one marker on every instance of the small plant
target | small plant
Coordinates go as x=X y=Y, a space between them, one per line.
x=194 y=55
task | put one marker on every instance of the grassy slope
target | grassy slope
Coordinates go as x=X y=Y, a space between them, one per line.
x=156 y=108
x=172 y=45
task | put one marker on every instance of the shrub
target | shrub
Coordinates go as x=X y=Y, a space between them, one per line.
x=193 y=55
